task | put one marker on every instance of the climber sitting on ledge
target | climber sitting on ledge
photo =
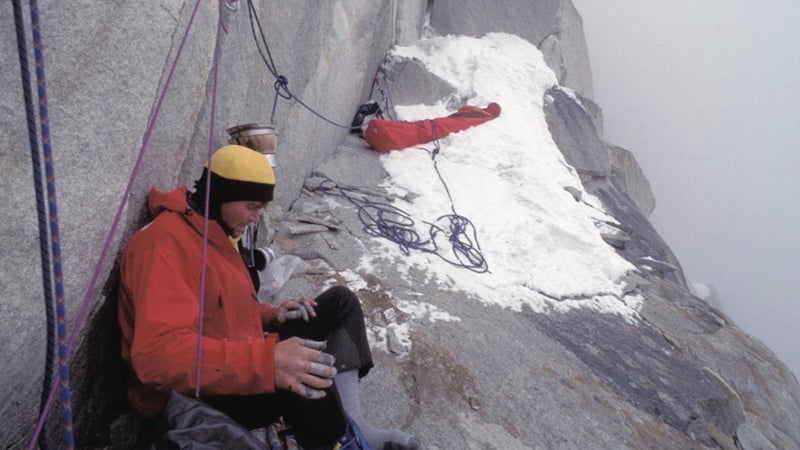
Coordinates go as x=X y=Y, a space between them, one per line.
x=300 y=361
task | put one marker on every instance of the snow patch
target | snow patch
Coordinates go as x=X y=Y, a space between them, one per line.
x=507 y=177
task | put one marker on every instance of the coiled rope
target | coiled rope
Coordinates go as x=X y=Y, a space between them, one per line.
x=112 y=231
x=390 y=222
x=41 y=212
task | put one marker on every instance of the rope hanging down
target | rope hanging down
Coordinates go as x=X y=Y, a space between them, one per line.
x=42 y=216
x=379 y=82
x=392 y=223
x=281 y=84
x=206 y=213
x=52 y=212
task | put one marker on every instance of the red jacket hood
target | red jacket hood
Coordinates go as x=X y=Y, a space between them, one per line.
x=160 y=201
x=177 y=201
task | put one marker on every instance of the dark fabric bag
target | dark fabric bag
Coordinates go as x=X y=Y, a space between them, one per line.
x=189 y=423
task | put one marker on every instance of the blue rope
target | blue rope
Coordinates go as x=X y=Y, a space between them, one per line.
x=41 y=212
x=55 y=236
x=466 y=249
x=390 y=222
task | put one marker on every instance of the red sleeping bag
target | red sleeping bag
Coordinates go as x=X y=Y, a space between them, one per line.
x=385 y=135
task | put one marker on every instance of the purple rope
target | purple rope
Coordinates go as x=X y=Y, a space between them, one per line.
x=85 y=305
x=217 y=56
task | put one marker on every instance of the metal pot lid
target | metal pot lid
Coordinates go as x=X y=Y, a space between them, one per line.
x=251 y=127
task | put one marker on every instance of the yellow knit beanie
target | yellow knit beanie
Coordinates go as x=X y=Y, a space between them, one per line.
x=240 y=173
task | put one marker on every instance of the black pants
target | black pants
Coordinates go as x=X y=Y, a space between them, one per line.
x=340 y=321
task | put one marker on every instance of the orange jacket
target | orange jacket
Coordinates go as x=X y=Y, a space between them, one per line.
x=159 y=302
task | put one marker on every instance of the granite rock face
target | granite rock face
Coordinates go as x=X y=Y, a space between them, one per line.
x=686 y=377
x=552 y=25
x=631 y=177
x=612 y=174
x=575 y=133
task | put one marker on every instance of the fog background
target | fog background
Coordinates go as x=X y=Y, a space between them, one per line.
x=707 y=96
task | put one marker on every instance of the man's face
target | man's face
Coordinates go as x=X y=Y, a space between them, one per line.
x=238 y=215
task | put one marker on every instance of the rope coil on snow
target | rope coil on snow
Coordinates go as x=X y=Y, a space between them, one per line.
x=390 y=222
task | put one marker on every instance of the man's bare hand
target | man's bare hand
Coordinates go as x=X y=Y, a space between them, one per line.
x=303 y=368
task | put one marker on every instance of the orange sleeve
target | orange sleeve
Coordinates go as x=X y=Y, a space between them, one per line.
x=163 y=354
x=268 y=313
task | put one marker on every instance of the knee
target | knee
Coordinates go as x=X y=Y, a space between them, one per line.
x=345 y=293
x=345 y=298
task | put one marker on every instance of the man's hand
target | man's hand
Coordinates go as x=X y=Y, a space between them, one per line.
x=295 y=309
x=301 y=367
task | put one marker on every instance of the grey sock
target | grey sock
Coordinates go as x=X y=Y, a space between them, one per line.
x=378 y=438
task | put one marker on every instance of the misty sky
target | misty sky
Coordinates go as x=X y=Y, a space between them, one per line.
x=707 y=96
